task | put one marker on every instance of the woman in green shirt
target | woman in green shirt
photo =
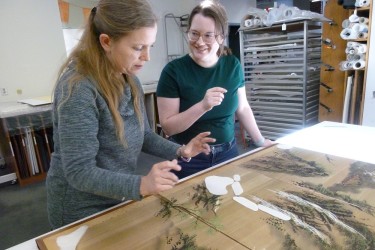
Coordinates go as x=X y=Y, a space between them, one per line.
x=204 y=91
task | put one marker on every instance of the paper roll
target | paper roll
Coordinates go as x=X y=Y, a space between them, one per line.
x=345 y=112
x=349 y=50
x=345 y=65
x=360 y=64
x=349 y=34
x=345 y=24
x=345 y=33
x=354 y=57
x=248 y=23
x=362 y=35
x=354 y=18
x=355 y=48
x=257 y=22
x=362 y=3
x=352 y=44
x=288 y=13
x=361 y=49
x=356 y=27
x=363 y=20
x=363 y=27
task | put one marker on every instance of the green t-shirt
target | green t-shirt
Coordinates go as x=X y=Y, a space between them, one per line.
x=183 y=78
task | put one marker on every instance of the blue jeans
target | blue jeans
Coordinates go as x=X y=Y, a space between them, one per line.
x=219 y=153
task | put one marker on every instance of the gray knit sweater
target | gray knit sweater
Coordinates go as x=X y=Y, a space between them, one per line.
x=90 y=170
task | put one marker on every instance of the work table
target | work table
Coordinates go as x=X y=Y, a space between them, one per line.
x=291 y=196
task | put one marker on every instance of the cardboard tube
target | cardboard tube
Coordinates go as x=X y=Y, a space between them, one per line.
x=360 y=64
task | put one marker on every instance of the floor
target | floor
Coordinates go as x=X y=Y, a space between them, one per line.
x=23 y=209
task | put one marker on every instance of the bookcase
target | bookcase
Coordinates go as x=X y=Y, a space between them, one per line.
x=26 y=140
x=282 y=69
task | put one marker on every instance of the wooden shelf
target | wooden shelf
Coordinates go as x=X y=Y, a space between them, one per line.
x=25 y=141
x=333 y=102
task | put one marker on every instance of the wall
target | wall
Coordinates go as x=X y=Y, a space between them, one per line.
x=31 y=47
x=236 y=10
x=31 y=57
x=153 y=68
x=369 y=107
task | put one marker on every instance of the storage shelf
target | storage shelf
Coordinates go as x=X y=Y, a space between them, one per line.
x=281 y=71
x=337 y=105
x=26 y=140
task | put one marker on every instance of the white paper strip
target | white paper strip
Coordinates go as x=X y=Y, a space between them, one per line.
x=70 y=241
x=246 y=202
x=274 y=212
x=237 y=188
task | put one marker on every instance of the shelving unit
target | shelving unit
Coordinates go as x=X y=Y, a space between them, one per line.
x=26 y=140
x=282 y=71
x=355 y=115
x=175 y=38
x=333 y=105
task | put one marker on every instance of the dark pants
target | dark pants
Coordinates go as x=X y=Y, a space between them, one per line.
x=219 y=153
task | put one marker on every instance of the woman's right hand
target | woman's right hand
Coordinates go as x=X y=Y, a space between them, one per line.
x=160 y=178
x=213 y=97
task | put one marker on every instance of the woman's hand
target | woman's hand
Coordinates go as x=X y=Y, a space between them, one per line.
x=213 y=97
x=197 y=145
x=263 y=142
x=268 y=143
x=159 y=178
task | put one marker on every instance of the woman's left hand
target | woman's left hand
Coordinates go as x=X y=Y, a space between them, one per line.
x=197 y=145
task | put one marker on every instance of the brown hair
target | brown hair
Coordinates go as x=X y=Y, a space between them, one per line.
x=116 y=18
x=216 y=11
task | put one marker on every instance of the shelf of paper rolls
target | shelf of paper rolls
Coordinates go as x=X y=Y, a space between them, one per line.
x=355 y=27
x=355 y=56
x=356 y=30
x=355 y=66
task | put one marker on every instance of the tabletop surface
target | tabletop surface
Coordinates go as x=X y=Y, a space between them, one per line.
x=291 y=198
x=339 y=139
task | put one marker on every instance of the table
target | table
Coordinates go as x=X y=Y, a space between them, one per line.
x=340 y=139
x=317 y=200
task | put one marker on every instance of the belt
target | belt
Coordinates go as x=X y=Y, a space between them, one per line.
x=218 y=148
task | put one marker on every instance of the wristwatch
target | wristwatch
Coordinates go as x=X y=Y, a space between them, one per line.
x=179 y=154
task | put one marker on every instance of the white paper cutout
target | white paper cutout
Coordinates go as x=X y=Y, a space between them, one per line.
x=246 y=202
x=70 y=241
x=273 y=212
x=217 y=185
x=237 y=188
x=236 y=177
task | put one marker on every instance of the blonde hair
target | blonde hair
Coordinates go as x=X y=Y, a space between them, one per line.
x=116 y=18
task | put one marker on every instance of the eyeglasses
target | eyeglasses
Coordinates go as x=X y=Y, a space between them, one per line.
x=208 y=38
